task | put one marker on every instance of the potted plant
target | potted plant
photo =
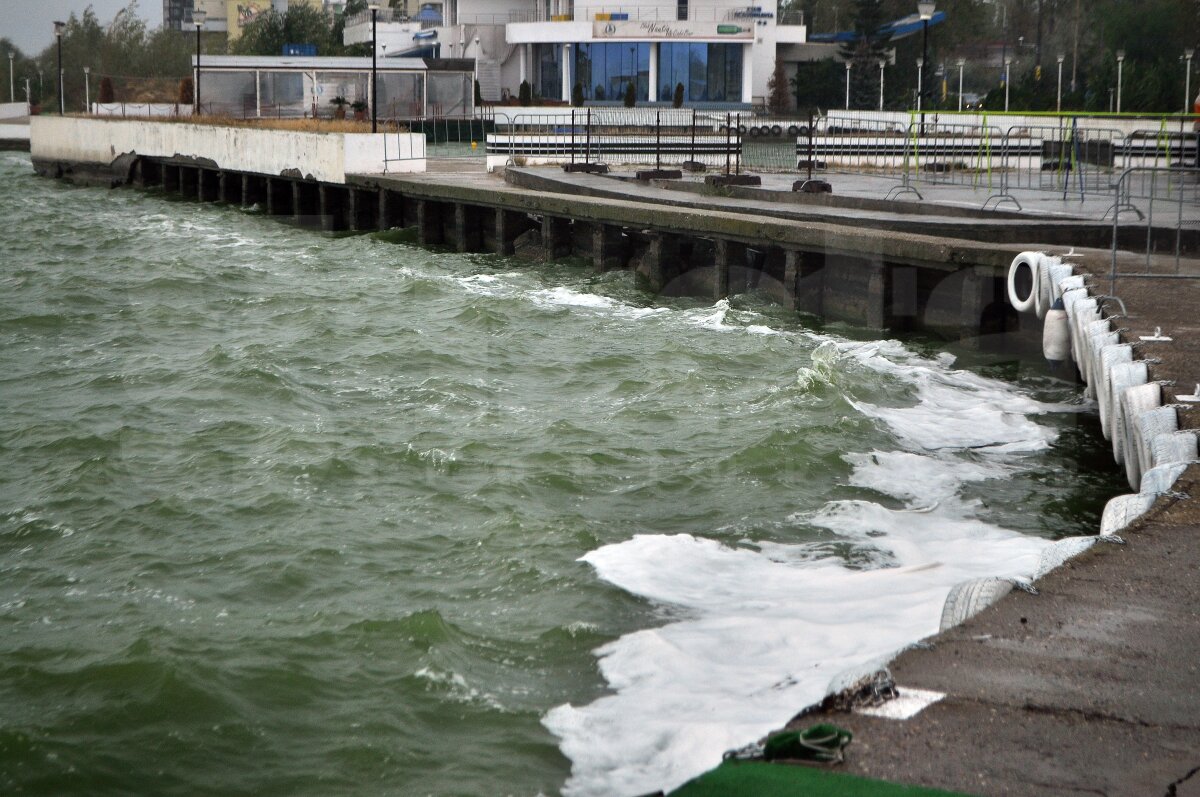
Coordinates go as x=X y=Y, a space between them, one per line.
x=360 y=110
x=339 y=107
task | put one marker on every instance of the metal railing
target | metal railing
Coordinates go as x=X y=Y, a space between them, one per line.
x=664 y=138
x=1178 y=189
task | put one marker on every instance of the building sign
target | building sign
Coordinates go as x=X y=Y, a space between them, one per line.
x=655 y=29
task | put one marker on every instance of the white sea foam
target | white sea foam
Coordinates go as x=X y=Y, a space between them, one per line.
x=762 y=633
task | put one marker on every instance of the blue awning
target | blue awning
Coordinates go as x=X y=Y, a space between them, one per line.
x=897 y=29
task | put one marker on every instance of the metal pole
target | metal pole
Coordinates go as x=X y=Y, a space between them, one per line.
x=374 y=111
x=1058 y=107
x=1187 y=79
x=1007 y=65
x=87 y=90
x=12 y=96
x=589 y=135
x=196 y=112
x=658 y=139
x=810 y=144
x=881 y=66
x=1120 y=76
x=727 y=132
x=572 y=136
x=847 y=85
x=693 y=135
x=920 y=75
x=961 y=63
x=61 y=106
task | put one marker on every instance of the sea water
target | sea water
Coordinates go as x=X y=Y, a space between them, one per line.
x=287 y=513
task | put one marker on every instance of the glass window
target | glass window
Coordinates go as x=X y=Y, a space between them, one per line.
x=708 y=72
x=547 y=70
x=400 y=95
x=604 y=69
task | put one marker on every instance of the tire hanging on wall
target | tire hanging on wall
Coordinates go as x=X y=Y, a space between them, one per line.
x=1030 y=261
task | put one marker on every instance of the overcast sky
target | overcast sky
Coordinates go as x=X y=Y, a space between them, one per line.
x=30 y=23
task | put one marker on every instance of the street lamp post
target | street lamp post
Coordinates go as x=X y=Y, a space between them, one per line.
x=1007 y=70
x=198 y=18
x=882 y=64
x=925 y=12
x=1188 y=54
x=920 y=70
x=59 y=29
x=12 y=95
x=960 y=63
x=1120 y=75
x=1061 y=58
x=87 y=90
x=374 y=69
x=847 y=85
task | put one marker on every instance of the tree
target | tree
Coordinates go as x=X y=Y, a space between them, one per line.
x=677 y=99
x=186 y=95
x=778 y=100
x=525 y=94
x=106 y=93
x=630 y=95
x=865 y=52
x=300 y=24
x=577 y=95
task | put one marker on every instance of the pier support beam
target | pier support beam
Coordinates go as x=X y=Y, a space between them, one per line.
x=659 y=263
x=429 y=222
x=187 y=181
x=855 y=289
x=333 y=207
x=728 y=256
x=390 y=209
x=804 y=280
x=905 y=298
x=556 y=237
x=363 y=208
x=507 y=226
x=229 y=188
x=606 y=247
x=978 y=294
x=206 y=185
x=170 y=177
x=468 y=232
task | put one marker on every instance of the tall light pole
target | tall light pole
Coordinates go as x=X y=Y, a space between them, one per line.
x=960 y=63
x=920 y=69
x=1007 y=70
x=12 y=95
x=882 y=64
x=1188 y=54
x=847 y=85
x=374 y=29
x=59 y=29
x=925 y=12
x=1061 y=58
x=1120 y=75
x=198 y=18
x=87 y=90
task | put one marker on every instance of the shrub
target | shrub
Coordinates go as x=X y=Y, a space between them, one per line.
x=185 y=92
x=630 y=95
x=106 y=91
x=577 y=95
x=525 y=94
x=677 y=100
x=478 y=95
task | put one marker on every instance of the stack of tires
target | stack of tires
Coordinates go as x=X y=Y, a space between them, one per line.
x=1145 y=434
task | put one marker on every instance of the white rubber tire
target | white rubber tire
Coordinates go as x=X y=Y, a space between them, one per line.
x=1056 y=336
x=1028 y=260
x=1123 y=510
x=1044 y=296
x=1161 y=478
x=1059 y=552
x=1173 y=449
x=1136 y=401
x=1099 y=342
x=1123 y=377
x=969 y=598
x=1058 y=273
x=1152 y=425
x=1110 y=356
x=1085 y=314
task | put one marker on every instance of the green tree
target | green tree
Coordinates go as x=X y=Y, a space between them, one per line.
x=778 y=96
x=300 y=24
x=869 y=47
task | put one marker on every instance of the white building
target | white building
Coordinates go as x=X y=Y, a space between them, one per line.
x=722 y=54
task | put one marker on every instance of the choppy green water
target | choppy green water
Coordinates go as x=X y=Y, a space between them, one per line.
x=289 y=514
